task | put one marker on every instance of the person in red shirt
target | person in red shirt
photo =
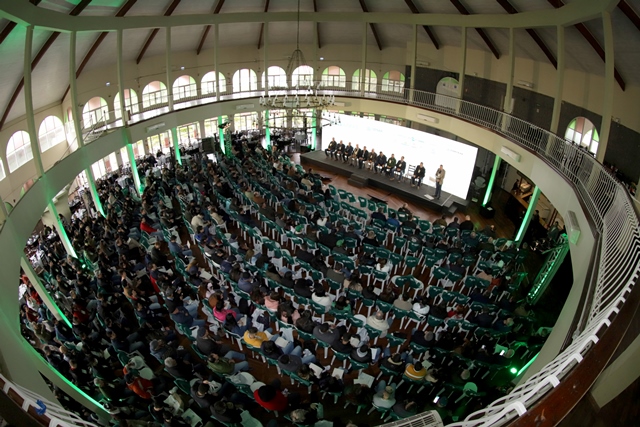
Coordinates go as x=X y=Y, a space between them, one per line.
x=270 y=398
x=139 y=386
x=146 y=227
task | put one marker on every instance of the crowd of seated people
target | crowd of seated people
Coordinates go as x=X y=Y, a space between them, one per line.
x=281 y=271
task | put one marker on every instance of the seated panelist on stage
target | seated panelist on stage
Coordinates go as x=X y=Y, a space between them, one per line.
x=363 y=157
x=371 y=160
x=339 y=151
x=348 y=151
x=357 y=152
x=331 y=149
x=418 y=176
x=391 y=163
x=399 y=169
x=380 y=163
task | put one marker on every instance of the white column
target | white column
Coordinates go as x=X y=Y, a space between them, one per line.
x=28 y=103
x=609 y=85
x=265 y=46
x=463 y=60
x=512 y=62
x=557 y=102
x=414 y=58
x=363 y=67
x=73 y=89
x=123 y=109
x=215 y=59
x=315 y=53
x=168 y=68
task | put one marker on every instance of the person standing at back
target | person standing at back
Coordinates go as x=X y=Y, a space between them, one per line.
x=440 y=173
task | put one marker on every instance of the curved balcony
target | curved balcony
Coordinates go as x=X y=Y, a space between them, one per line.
x=609 y=299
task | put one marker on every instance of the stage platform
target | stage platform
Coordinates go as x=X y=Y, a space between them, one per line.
x=423 y=196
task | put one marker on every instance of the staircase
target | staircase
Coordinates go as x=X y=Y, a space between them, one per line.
x=555 y=256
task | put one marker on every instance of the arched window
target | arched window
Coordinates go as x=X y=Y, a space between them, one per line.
x=393 y=81
x=95 y=111
x=370 y=80
x=302 y=76
x=447 y=93
x=51 y=133
x=130 y=102
x=18 y=150
x=209 y=82
x=334 y=76
x=584 y=133
x=3 y=175
x=184 y=87
x=277 y=78
x=153 y=94
x=245 y=80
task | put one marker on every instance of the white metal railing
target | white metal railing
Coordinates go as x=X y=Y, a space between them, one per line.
x=57 y=415
x=606 y=200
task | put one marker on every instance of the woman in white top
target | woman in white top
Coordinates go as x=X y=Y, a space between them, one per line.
x=384 y=265
x=320 y=297
x=421 y=308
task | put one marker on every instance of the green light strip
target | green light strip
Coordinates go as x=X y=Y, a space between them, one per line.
x=66 y=242
x=42 y=290
x=134 y=169
x=94 y=191
x=221 y=133
x=267 y=136
x=176 y=145
x=65 y=380
x=527 y=216
x=494 y=172
x=525 y=367
x=313 y=131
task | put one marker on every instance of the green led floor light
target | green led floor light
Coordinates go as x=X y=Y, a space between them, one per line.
x=525 y=367
x=313 y=131
x=221 y=133
x=94 y=192
x=267 y=134
x=513 y=370
x=494 y=172
x=134 y=169
x=527 y=216
x=176 y=145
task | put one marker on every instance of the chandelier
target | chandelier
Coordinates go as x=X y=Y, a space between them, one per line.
x=305 y=97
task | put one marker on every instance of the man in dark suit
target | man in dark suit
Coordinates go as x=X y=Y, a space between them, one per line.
x=418 y=176
x=339 y=151
x=363 y=157
x=331 y=149
x=380 y=162
x=348 y=151
x=399 y=169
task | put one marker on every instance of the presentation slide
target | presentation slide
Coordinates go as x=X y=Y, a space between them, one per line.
x=457 y=159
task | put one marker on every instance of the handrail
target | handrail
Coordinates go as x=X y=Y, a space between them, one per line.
x=606 y=202
x=52 y=412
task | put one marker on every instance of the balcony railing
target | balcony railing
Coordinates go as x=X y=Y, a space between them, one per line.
x=605 y=199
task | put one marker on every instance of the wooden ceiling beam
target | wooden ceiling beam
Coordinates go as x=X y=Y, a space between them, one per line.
x=11 y=25
x=595 y=44
x=508 y=7
x=207 y=28
x=266 y=8
x=315 y=9
x=630 y=13
x=154 y=32
x=122 y=12
x=365 y=9
x=482 y=33
x=52 y=38
x=428 y=30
